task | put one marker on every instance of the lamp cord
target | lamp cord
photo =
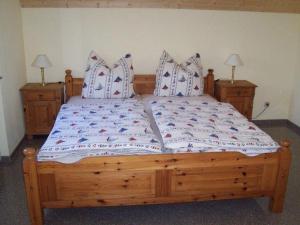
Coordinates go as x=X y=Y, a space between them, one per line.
x=259 y=114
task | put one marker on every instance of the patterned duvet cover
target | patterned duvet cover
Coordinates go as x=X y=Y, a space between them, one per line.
x=115 y=127
x=207 y=126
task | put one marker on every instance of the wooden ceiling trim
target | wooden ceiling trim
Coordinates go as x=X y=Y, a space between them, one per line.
x=283 y=6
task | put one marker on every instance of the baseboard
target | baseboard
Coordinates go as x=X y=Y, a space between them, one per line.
x=271 y=123
x=9 y=159
x=5 y=159
x=278 y=123
x=293 y=127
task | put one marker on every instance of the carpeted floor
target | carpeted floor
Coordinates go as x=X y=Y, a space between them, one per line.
x=13 y=209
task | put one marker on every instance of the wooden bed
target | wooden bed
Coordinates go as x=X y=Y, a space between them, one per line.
x=153 y=179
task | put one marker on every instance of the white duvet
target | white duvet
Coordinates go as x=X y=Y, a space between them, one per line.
x=197 y=125
x=115 y=127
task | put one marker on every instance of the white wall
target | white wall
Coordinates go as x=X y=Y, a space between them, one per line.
x=265 y=41
x=295 y=106
x=3 y=137
x=295 y=103
x=12 y=63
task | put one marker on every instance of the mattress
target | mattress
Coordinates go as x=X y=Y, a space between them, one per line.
x=203 y=125
x=86 y=128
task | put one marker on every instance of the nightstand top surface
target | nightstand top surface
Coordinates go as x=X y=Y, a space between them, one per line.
x=38 y=86
x=237 y=83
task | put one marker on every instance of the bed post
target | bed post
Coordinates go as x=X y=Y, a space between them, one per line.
x=32 y=187
x=69 y=84
x=209 y=84
x=277 y=200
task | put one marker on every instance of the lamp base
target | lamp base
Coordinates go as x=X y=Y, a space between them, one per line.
x=232 y=77
x=43 y=77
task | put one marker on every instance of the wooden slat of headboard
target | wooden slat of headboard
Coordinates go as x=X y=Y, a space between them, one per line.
x=143 y=84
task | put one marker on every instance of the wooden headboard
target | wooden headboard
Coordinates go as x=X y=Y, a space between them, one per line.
x=142 y=84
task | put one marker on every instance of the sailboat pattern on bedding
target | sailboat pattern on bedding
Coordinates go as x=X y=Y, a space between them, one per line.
x=206 y=126
x=115 y=127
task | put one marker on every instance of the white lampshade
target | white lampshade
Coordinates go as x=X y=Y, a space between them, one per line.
x=234 y=60
x=41 y=61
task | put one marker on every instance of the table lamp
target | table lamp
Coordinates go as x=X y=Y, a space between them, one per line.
x=42 y=62
x=234 y=60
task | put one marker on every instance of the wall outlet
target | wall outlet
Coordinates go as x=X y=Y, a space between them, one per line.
x=267 y=104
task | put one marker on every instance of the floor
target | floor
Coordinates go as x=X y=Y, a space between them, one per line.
x=13 y=209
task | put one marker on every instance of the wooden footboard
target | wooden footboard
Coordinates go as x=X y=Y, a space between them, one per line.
x=154 y=179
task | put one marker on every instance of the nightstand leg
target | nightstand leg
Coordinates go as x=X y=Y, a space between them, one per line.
x=29 y=137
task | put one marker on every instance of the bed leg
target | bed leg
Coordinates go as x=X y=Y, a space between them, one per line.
x=277 y=200
x=32 y=187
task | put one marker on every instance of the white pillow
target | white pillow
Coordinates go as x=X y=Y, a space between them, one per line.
x=173 y=79
x=101 y=81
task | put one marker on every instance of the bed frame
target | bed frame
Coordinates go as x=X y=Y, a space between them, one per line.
x=153 y=179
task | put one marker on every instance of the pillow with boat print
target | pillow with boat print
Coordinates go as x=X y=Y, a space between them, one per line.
x=173 y=79
x=101 y=81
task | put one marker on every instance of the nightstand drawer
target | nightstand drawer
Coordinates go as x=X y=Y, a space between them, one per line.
x=239 y=92
x=39 y=96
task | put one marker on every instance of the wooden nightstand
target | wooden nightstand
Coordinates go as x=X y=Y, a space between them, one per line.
x=41 y=105
x=240 y=95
